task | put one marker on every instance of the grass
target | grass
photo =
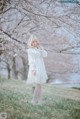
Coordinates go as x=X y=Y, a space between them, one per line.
x=76 y=88
x=60 y=102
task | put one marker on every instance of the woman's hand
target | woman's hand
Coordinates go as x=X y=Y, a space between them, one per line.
x=41 y=47
x=34 y=72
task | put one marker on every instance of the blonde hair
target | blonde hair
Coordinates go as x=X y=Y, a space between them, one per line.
x=32 y=38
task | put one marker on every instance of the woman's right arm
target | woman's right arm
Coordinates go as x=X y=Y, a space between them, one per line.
x=31 y=60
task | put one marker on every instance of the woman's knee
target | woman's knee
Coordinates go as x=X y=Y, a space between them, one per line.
x=39 y=85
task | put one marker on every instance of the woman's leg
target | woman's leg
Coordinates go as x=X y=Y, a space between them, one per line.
x=37 y=93
x=39 y=97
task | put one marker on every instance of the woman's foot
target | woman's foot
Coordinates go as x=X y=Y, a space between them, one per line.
x=33 y=102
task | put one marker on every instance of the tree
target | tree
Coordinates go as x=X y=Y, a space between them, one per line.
x=56 y=25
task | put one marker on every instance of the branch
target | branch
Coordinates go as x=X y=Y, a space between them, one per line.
x=18 y=24
x=12 y=37
x=24 y=10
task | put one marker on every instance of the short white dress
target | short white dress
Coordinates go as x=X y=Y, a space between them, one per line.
x=36 y=62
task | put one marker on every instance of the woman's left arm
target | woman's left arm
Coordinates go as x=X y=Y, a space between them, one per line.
x=43 y=52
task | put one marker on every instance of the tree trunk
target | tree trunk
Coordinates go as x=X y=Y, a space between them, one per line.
x=9 y=71
x=25 y=69
x=14 y=70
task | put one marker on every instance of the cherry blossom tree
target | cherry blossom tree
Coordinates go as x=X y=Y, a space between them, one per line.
x=57 y=26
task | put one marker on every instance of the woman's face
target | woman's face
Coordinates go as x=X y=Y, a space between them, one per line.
x=35 y=43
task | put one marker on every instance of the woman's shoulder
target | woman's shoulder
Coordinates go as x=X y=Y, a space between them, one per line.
x=30 y=50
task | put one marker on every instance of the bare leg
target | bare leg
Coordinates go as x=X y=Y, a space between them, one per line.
x=37 y=94
x=39 y=97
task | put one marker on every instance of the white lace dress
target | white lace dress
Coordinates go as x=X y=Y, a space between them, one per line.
x=35 y=61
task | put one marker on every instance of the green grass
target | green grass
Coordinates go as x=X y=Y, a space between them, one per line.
x=60 y=102
x=76 y=88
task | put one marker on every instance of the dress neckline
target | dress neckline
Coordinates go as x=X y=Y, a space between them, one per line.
x=35 y=48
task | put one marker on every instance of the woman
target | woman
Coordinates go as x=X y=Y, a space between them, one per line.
x=37 y=73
